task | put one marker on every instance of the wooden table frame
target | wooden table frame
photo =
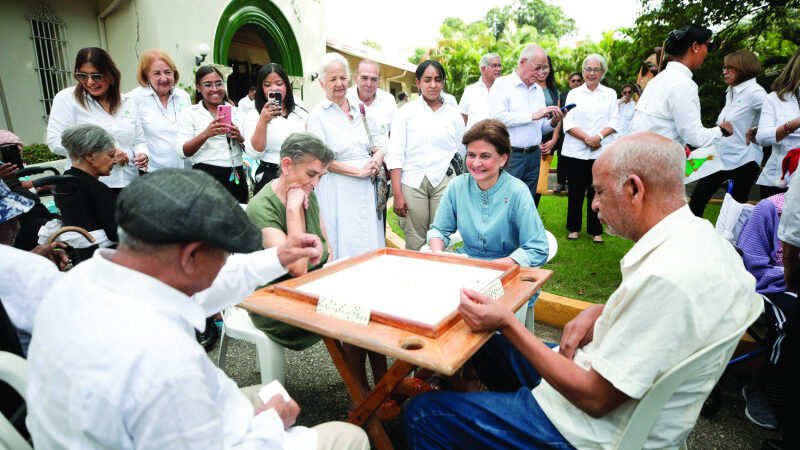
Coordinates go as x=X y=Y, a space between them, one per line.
x=444 y=354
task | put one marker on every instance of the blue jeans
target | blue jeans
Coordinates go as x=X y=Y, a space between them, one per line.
x=525 y=166
x=486 y=419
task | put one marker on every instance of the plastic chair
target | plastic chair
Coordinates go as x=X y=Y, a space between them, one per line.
x=14 y=371
x=237 y=325
x=647 y=411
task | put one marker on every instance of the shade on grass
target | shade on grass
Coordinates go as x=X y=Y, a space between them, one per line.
x=581 y=270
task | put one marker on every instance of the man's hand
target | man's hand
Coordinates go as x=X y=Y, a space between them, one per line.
x=287 y=411
x=53 y=251
x=140 y=160
x=482 y=313
x=579 y=331
x=400 y=206
x=7 y=170
x=551 y=112
x=301 y=246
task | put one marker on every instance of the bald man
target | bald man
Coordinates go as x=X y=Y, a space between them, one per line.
x=683 y=289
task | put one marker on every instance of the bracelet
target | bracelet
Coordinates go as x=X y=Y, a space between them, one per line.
x=787 y=129
x=600 y=135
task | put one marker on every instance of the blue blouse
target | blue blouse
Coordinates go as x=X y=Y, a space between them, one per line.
x=502 y=221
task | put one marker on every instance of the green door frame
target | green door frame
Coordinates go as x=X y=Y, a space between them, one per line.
x=273 y=29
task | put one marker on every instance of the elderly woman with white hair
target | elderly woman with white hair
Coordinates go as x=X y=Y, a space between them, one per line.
x=588 y=129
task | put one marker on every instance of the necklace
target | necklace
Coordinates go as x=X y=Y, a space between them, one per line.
x=161 y=109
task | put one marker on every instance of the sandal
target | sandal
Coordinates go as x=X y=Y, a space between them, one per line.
x=572 y=236
x=411 y=387
x=598 y=239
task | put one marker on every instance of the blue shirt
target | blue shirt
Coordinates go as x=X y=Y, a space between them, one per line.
x=495 y=223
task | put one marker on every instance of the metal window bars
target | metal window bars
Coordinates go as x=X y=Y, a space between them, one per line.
x=49 y=38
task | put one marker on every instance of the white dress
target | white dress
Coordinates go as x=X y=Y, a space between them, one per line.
x=347 y=203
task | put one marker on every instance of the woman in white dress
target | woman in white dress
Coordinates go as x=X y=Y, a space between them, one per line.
x=347 y=196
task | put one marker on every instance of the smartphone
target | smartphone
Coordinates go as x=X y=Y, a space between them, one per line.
x=10 y=154
x=568 y=107
x=224 y=114
x=276 y=98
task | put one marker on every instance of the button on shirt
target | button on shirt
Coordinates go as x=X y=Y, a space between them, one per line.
x=595 y=111
x=424 y=141
x=278 y=129
x=475 y=103
x=743 y=110
x=160 y=126
x=513 y=103
x=123 y=126
x=670 y=106
x=133 y=375
x=775 y=112
x=379 y=114
x=216 y=151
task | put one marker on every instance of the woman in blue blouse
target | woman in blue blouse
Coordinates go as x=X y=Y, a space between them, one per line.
x=493 y=211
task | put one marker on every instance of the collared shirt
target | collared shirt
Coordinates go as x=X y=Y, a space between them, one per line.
x=278 y=129
x=789 y=228
x=663 y=311
x=134 y=375
x=475 y=103
x=246 y=104
x=670 y=106
x=513 y=103
x=346 y=138
x=626 y=112
x=160 y=126
x=26 y=278
x=380 y=113
x=498 y=222
x=775 y=112
x=124 y=126
x=743 y=110
x=216 y=150
x=424 y=141
x=594 y=111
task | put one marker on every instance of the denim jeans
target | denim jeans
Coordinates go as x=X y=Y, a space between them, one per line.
x=525 y=166
x=487 y=419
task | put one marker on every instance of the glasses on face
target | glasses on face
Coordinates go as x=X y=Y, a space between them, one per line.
x=575 y=80
x=495 y=66
x=627 y=92
x=593 y=69
x=84 y=77
x=540 y=67
x=209 y=85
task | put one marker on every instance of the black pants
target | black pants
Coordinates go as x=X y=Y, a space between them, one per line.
x=223 y=175
x=769 y=191
x=561 y=170
x=743 y=178
x=579 y=180
x=268 y=172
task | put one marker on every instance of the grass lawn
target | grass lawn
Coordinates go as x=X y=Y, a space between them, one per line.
x=582 y=270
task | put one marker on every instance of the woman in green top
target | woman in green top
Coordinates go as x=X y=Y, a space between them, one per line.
x=288 y=206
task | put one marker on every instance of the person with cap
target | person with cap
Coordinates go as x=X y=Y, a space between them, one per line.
x=26 y=275
x=133 y=376
x=670 y=106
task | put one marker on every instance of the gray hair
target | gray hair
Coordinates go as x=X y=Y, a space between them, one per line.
x=598 y=58
x=529 y=51
x=660 y=163
x=487 y=59
x=333 y=58
x=369 y=61
x=136 y=244
x=84 y=139
x=299 y=146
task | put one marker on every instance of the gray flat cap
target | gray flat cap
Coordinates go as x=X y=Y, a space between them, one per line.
x=172 y=206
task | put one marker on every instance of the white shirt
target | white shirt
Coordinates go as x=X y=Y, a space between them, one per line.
x=346 y=138
x=626 y=112
x=742 y=109
x=513 y=103
x=246 y=104
x=775 y=113
x=594 y=111
x=278 y=129
x=424 y=141
x=123 y=127
x=475 y=103
x=160 y=126
x=664 y=310
x=133 y=376
x=216 y=151
x=670 y=107
x=380 y=113
x=789 y=228
x=26 y=278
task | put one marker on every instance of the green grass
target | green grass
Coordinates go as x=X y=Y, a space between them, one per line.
x=581 y=269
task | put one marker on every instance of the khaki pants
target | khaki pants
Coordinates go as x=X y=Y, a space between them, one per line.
x=330 y=435
x=422 y=203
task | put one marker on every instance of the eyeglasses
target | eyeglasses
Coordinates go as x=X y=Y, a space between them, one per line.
x=82 y=76
x=540 y=67
x=209 y=85
x=627 y=92
x=593 y=69
x=575 y=80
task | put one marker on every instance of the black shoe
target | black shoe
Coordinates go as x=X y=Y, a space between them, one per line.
x=758 y=408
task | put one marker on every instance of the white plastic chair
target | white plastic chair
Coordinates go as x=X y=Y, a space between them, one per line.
x=647 y=411
x=14 y=371
x=237 y=325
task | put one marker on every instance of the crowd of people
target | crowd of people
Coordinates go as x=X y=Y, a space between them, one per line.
x=163 y=176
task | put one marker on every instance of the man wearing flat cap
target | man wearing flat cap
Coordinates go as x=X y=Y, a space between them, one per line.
x=114 y=362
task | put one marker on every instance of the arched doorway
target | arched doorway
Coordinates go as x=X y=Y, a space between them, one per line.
x=250 y=34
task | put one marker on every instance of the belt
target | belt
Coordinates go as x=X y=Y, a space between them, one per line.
x=531 y=149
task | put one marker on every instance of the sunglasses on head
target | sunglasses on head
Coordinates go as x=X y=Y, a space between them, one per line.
x=82 y=76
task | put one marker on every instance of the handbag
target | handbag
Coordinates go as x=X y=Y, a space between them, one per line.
x=380 y=182
x=456 y=165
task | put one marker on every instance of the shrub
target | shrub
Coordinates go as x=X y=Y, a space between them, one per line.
x=38 y=153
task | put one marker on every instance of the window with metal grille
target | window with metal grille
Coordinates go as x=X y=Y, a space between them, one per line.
x=50 y=46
